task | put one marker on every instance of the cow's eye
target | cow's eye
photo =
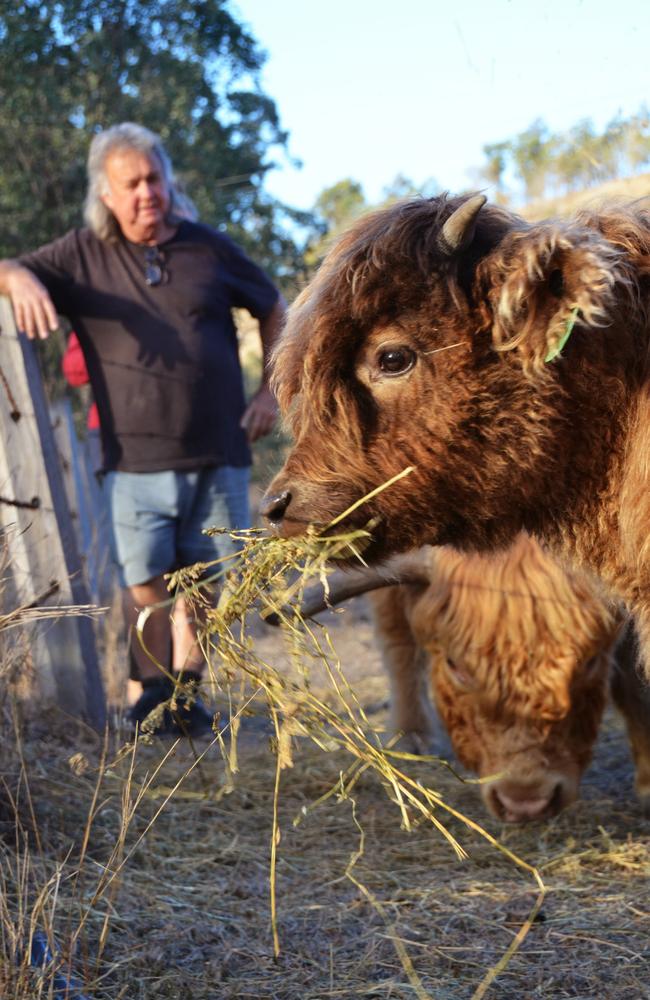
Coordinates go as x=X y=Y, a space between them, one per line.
x=396 y=360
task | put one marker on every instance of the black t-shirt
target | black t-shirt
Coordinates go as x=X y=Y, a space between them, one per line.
x=162 y=360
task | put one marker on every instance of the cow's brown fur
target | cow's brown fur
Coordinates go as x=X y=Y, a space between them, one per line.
x=498 y=438
x=631 y=694
x=518 y=654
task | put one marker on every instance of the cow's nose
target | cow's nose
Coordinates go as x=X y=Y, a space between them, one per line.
x=523 y=806
x=273 y=508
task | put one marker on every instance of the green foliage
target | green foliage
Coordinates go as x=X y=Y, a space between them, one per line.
x=493 y=172
x=402 y=187
x=185 y=68
x=340 y=203
x=338 y=206
x=531 y=154
x=335 y=208
x=540 y=163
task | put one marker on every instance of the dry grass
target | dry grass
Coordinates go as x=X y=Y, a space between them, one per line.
x=292 y=857
x=365 y=908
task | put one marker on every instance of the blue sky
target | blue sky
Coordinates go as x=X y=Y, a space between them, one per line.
x=369 y=89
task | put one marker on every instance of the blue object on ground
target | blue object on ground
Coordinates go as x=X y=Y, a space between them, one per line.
x=66 y=987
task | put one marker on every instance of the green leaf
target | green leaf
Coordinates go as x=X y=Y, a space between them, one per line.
x=555 y=351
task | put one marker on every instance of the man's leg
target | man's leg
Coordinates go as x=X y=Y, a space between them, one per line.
x=191 y=716
x=157 y=632
x=185 y=715
x=143 y=517
x=187 y=654
x=170 y=632
x=215 y=497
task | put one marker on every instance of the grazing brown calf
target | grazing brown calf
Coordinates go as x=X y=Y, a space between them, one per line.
x=518 y=653
x=429 y=339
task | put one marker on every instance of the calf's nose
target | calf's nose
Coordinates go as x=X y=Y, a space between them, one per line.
x=524 y=805
x=274 y=507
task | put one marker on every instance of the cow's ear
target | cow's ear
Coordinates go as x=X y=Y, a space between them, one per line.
x=552 y=279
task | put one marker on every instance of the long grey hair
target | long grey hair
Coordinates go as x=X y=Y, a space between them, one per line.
x=128 y=135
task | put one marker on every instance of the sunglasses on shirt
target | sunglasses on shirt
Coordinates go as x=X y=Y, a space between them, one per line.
x=154 y=266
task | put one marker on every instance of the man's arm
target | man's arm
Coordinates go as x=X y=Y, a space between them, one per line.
x=34 y=310
x=262 y=410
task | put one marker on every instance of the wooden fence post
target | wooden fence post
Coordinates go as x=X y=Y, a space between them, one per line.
x=85 y=503
x=39 y=533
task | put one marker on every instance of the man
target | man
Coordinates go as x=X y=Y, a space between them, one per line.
x=149 y=293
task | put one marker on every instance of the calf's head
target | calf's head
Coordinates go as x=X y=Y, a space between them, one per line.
x=519 y=656
x=422 y=343
x=519 y=668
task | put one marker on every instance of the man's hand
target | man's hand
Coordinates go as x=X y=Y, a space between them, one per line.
x=260 y=414
x=34 y=310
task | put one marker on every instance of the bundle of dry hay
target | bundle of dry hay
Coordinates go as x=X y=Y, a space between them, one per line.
x=306 y=863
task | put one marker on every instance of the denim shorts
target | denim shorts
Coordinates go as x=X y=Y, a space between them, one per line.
x=157 y=518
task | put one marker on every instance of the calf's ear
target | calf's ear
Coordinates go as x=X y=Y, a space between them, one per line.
x=552 y=279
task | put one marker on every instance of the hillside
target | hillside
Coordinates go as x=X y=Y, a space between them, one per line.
x=623 y=189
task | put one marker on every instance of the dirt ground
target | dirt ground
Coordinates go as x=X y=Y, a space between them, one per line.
x=364 y=906
x=341 y=936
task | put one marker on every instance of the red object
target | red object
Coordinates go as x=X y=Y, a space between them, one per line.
x=92 y=420
x=76 y=373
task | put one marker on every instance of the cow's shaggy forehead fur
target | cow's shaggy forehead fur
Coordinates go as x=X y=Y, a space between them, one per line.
x=522 y=626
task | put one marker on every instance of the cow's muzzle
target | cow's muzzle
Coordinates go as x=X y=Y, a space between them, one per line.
x=274 y=506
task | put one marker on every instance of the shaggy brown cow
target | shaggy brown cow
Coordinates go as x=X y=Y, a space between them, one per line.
x=429 y=339
x=518 y=655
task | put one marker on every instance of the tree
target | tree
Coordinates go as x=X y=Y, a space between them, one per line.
x=532 y=151
x=335 y=208
x=567 y=161
x=187 y=69
x=338 y=205
x=497 y=154
x=636 y=139
x=402 y=187
x=585 y=157
x=575 y=163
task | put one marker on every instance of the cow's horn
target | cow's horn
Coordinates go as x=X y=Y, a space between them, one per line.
x=458 y=231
